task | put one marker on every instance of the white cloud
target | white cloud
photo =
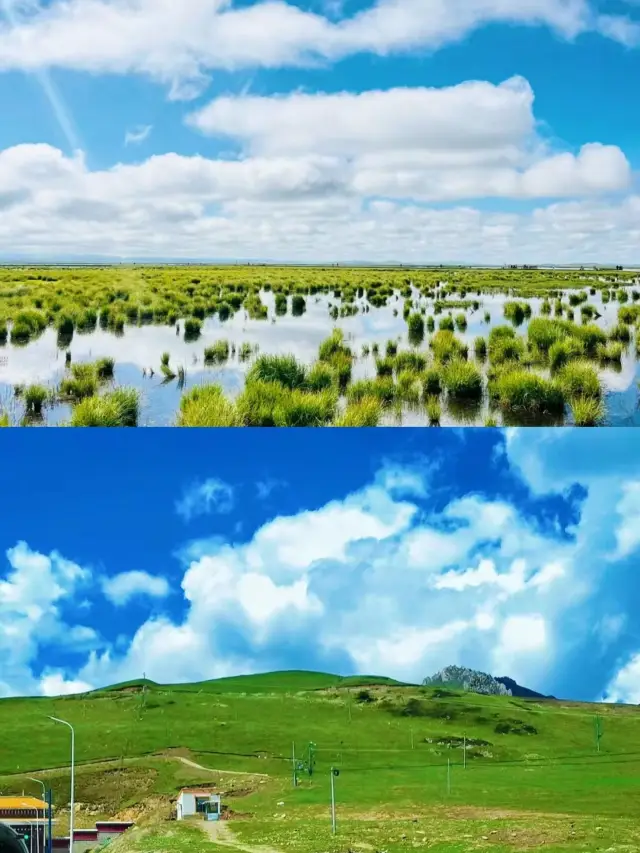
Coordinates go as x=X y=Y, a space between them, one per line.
x=628 y=509
x=211 y=495
x=121 y=588
x=31 y=595
x=138 y=134
x=54 y=684
x=625 y=686
x=355 y=575
x=177 y=43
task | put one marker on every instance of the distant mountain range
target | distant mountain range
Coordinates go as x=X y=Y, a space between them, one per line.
x=472 y=680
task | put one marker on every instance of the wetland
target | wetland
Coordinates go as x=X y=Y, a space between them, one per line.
x=318 y=346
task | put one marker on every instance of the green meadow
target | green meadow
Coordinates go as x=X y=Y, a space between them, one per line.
x=533 y=772
x=258 y=346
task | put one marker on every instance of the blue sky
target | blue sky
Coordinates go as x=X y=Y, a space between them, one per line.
x=392 y=552
x=427 y=131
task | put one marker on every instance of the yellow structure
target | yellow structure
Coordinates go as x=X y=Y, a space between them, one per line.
x=20 y=803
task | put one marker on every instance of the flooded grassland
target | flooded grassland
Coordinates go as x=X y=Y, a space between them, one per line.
x=261 y=346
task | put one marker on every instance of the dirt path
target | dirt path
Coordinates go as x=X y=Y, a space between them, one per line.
x=193 y=764
x=221 y=833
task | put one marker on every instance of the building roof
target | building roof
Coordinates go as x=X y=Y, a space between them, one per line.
x=21 y=803
x=197 y=791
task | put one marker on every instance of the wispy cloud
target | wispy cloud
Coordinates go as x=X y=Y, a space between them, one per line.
x=264 y=488
x=138 y=134
x=210 y=496
x=121 y=588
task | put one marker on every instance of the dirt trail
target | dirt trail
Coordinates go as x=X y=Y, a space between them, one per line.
x=221 y=833
x=193 y=764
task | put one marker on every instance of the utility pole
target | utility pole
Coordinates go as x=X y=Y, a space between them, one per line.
x=334 y=772
x=598 y=730
x=50 y=821
x=464 y=751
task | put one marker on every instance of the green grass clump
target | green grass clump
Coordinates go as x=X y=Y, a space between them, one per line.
x=409 y=386
x=434 y=410
x=382 y=388
x=333 y=345
x=82 y=383
x=543 y=332
x=503 y=348
x=620 y=332
x=4 y=419
x=462 y=379
x=522 y=390
x=587 y=411
x=365 y=412
x=415 y=322
x=563 y=351
x=34 y=398
x=446 y=347
x=4 y=332
x=192 y=328
x=217 y=353
x=320 y=377
x=579 y=379
x=432 y=384
x=517 y=311
x=283 y=369
x=27 y=324
x=610 y=352
x=271 y=404
x=298 y=305
x=480 y=347
x=461 y=322
x=446 y=324
x=104 y=367
x=385 y=366
x=281 y=304
x=411 y=360
x=591 y=336
x=118 y=408
x=207 y=406
x=628 y=314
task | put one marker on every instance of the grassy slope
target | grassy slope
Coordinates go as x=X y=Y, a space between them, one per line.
x=386 y=787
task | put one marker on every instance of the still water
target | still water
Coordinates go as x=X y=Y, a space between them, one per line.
x=140 y=348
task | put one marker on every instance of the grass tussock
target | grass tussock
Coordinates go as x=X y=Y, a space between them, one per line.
x=119 y=408
x=207 y=406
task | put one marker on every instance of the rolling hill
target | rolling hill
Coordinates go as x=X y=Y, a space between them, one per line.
x=492 y=770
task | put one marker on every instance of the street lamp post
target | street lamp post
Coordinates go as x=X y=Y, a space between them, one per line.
x=64 y=722
x=44 y=799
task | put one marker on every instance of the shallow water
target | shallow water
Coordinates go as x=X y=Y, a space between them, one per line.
x=142 y=346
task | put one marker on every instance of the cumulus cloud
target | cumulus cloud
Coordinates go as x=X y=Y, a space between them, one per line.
x=121 y=588
x=32 y=593
x=178 y=43
x=211 y=495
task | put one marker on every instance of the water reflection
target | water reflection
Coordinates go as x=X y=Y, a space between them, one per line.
x=140 y=348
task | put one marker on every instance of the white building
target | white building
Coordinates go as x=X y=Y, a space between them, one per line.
x=192 y=801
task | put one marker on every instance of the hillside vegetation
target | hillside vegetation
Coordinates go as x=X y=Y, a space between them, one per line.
x=533 y=773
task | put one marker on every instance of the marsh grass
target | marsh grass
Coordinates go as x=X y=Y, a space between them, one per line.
x=298 y=305
x=434 y=410
x=217 y=353
x=611 y=352
x=365 y=412
x=82 y=383
x=192 y=328
x=446 y=347
x=282 y=369
x=480 y=347
x=4 y=419
x=563 y=351
x=415 y=324
x=525 y=391
x=207 y=406
x=265 y=404
x=119 y=408
x=462 y=379
x=409 y=386
x=432 y=381
x=587 y=411
x=105 y=367
x=517 y=312
x=4 y=332
x=579 y=379
x=34 y=399
x=382 y=389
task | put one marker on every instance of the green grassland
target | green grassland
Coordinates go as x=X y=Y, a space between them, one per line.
x=537 y=378
x=533 y=775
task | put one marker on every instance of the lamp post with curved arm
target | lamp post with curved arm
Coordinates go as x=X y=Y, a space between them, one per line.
x=64 y=722
x=44 y=799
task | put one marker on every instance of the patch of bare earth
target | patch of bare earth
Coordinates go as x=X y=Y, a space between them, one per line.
x=222 y=834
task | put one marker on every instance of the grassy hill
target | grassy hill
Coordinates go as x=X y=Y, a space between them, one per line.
x=532 y=776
